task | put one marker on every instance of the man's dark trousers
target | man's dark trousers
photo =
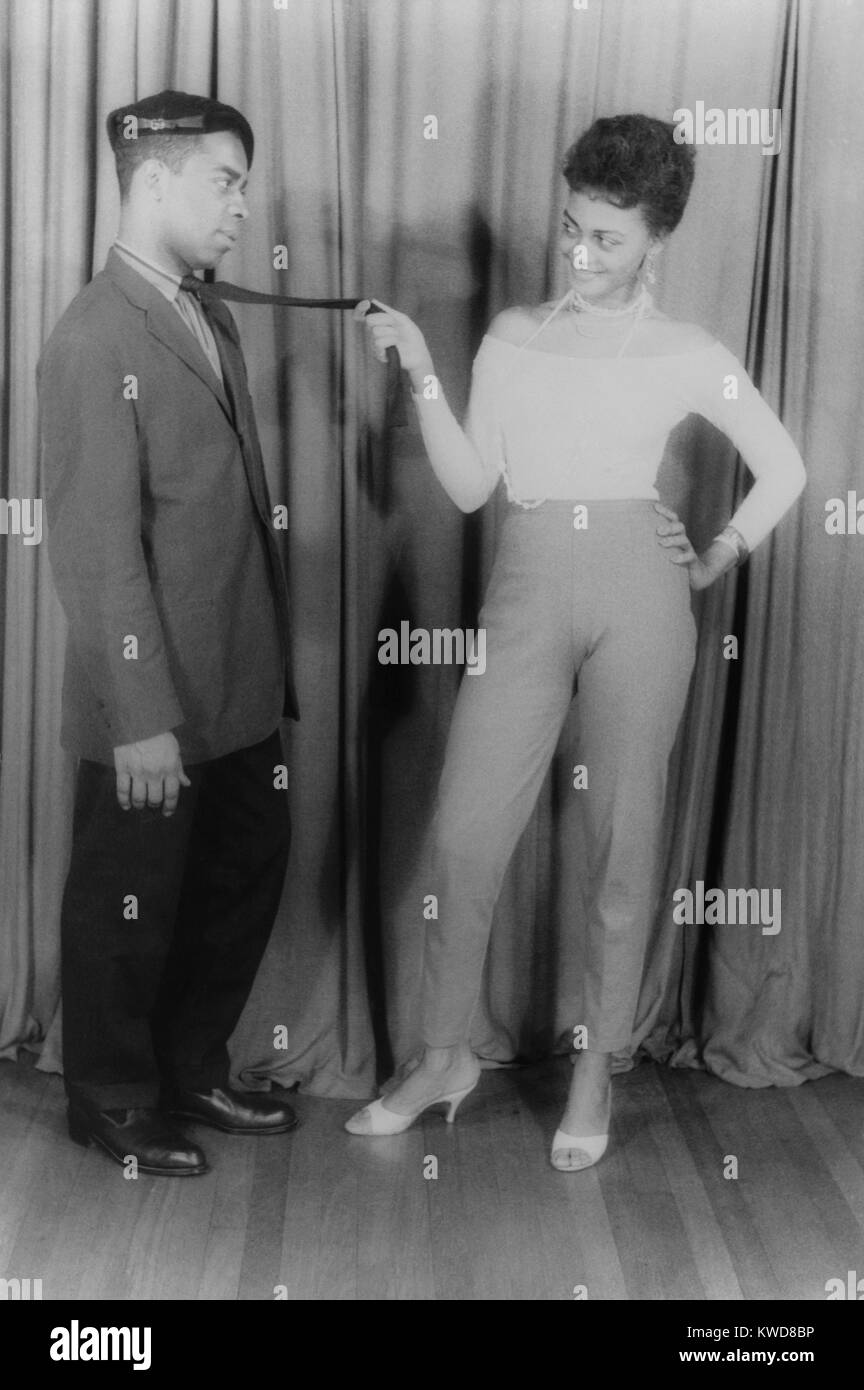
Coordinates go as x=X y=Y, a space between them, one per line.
x=164 y=924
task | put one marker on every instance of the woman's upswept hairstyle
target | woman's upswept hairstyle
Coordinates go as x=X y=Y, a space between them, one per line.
x=634 y=161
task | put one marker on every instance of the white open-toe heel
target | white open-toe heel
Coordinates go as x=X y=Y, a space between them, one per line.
x=376 y=1119
x=592 y=1146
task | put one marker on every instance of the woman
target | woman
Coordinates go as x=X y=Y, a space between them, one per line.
x=572 y=404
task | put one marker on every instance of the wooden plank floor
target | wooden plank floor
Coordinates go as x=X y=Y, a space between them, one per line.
x=324 y=1215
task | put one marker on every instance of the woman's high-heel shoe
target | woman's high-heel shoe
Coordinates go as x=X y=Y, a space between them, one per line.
x=375 y=1119
x=592 y=1146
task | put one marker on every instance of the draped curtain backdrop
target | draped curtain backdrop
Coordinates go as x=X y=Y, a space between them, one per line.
x=767 y=784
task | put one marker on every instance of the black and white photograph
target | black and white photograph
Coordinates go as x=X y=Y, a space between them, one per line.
x=432 y=664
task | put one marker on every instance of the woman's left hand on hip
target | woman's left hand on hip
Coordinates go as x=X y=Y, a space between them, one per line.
x=672 y=535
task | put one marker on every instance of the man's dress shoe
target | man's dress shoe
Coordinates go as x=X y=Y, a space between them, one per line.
x=234 y=1112
x=159 y=1146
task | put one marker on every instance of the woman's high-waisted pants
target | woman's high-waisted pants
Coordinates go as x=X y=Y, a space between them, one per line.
x=606 y=603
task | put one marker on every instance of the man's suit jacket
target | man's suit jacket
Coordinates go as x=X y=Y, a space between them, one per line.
x=159 y=529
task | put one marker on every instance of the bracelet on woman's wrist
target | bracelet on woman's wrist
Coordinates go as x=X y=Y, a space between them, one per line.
x=733 y=538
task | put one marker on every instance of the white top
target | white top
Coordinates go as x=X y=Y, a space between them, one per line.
x=579 y=428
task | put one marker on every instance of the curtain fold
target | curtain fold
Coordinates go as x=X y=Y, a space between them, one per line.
x=766 y=780
x=778 y=1010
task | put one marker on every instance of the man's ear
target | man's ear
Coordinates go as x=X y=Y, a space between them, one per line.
x=151 y=176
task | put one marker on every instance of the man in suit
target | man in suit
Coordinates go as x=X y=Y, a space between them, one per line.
x=177 y=666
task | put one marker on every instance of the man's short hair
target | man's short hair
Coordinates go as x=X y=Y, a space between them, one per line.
x=168 y=127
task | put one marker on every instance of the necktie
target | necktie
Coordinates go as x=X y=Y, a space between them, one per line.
x=194 y=315
x=223 y=289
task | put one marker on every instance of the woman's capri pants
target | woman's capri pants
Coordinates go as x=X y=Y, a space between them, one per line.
x=604 y=603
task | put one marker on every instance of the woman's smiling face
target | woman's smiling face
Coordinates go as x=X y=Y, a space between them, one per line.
x=613 y=242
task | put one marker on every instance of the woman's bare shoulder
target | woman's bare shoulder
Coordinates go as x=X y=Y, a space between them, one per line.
x=514 y=325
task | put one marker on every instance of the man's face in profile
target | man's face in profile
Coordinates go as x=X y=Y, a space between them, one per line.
x=202 y=207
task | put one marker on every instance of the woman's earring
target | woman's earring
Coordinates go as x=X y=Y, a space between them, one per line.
x=650 y=259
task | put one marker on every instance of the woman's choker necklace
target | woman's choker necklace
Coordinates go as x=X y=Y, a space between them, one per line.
x=640 y=304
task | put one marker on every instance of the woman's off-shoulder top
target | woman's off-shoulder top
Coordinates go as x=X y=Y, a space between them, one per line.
x=556 y=426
